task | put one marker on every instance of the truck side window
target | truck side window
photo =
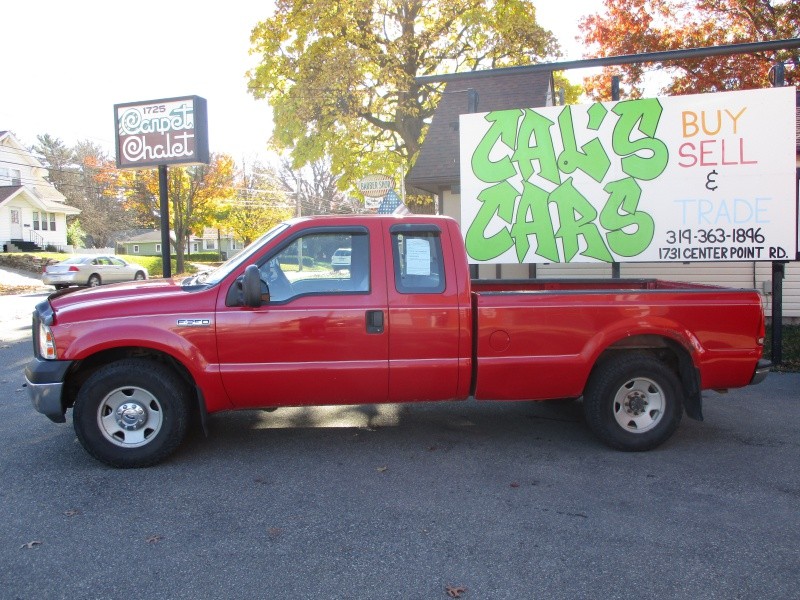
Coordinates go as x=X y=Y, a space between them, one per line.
x=418 y=265
x=318 y=263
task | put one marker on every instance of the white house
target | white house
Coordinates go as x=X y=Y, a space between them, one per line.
x=33 y=213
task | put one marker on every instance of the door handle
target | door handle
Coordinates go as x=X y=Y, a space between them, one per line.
x=374 y=321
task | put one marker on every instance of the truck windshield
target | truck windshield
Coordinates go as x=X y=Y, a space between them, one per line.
x=221 y=272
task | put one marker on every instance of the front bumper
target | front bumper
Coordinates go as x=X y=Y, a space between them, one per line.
x=762 y=368
x=45 y=381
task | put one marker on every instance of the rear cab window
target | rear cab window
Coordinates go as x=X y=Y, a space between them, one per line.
x=417 y=257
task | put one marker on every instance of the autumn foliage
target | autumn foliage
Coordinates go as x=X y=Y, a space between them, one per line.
x=636 y=26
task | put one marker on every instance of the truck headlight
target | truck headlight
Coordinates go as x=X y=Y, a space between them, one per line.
x=47 y=343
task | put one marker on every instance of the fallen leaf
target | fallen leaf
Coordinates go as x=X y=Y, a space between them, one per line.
x=514 y=485
x=72 y=512
x=30 y=545
x=275 y=532
x=382 y=469
x=154 y=539
x=455 y=592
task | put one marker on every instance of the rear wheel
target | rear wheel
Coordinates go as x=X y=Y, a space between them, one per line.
x=633 y=402
x=132 y=413
x=94 y=280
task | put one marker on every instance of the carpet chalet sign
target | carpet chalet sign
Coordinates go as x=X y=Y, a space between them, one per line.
x=707 y=177
x=171 y=131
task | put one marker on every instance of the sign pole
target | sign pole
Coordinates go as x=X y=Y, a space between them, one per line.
x=778 y=273
x=164 y=207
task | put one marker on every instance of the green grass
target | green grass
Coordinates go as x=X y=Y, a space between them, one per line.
x=153 y=264
x=790 y=348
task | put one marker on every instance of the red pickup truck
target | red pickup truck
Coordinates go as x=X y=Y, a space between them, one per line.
x=395 y=319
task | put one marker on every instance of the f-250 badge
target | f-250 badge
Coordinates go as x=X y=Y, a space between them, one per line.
x=194 y=322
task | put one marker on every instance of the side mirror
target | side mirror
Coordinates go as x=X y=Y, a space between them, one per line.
x=254 y=291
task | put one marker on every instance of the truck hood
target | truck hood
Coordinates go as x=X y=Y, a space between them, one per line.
x=137 y=298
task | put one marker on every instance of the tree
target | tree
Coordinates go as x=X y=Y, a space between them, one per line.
x=75 y=234
x=258 y=205
x=340 y=76
x=84 y=175
x=194 y=193
x=635 y=26
x=315 y=185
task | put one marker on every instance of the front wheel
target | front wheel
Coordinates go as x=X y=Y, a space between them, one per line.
x=633 y=402
x=131 y=413
x=139 y=276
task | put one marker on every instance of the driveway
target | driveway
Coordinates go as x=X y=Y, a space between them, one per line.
x=20 y=292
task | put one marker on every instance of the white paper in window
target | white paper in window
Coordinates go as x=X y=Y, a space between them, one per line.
x=418 y=257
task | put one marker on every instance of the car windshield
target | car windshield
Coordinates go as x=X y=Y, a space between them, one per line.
x=221 y=272
x=74 y=260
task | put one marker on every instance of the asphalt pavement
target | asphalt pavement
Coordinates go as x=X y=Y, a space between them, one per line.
x=487 y=500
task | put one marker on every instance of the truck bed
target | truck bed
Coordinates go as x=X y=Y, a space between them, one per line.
x=540 y=339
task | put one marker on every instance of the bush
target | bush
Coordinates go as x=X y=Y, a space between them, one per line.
x=202 y=257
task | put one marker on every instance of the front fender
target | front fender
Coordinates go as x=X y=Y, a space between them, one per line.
x=191 y=343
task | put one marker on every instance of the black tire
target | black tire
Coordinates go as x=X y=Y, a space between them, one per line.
x=132 y=413
x=94 y=280
x=139 y=276
x=633 y=402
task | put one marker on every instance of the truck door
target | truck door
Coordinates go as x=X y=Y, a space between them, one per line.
x=425 y=320
x=321 y=336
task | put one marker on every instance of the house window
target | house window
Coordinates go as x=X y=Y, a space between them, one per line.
x=210 y=244
x=158 y=248
x=16 y=177
x=52 y=221
x=195 y=247
x=3 y=174
x=44 y=221
x=36 y=220
x=136 y=248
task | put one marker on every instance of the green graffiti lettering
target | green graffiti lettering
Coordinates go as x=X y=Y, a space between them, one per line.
x=533 y=218
x=597 y=114
x=640 y=115
x=503 y=128
x=536 y=144
x=496 y=200
x=593 y=160
x=620 y=213
x=576 y=216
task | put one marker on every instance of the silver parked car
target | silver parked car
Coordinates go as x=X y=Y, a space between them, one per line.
x=91 y=271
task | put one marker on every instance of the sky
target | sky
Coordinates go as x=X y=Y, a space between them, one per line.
x=65 y=65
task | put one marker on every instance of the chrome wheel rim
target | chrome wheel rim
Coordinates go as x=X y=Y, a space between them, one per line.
x=130 y=417
x=639 y=405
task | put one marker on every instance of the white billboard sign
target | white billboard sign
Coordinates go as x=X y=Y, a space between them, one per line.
x=707 y=177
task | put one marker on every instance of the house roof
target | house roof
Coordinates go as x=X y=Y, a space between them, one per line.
x=437 y=166
x=147 y=237
x=7 y=192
